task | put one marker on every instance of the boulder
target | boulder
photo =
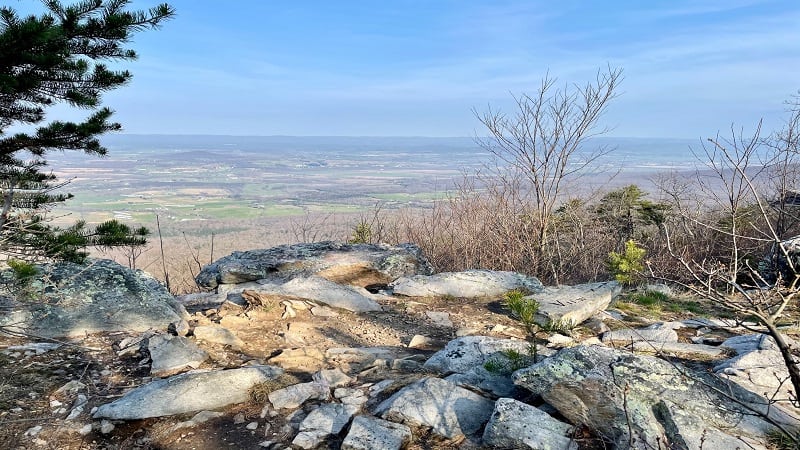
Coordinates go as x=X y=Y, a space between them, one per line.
x=187 y=393
x=173 y=354
x=449 y=410
x=518 y=425
x=462 y=354
x=323 y=422
x=471 y=284
x=357 y=264
x=370 y=433
x=643 y=402
x=571 y=305
x=98 y=296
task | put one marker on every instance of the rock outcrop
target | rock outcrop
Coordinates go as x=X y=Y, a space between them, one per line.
x=469 y=284
x=97 y=296
x=354 y=264
x=644 y=402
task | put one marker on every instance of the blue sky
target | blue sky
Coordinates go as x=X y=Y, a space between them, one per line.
x=419 y=67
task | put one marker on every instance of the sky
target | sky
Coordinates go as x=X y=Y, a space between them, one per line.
x=423 y=67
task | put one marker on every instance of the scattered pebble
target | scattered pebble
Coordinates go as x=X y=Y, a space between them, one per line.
x=33 y=431
x=106 y=427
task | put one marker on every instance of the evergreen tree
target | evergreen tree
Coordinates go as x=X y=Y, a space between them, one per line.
x=47 y=59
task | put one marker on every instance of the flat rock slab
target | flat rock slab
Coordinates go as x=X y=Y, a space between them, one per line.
x=173 y=354
x=602 y=388
x=691 y=351
x=370 y=433
x=187 y=393
x=574 y=304
x=518 y=425
x=470 y=284
x=462 y=354
x=357 y=264
x=449 y=410
x=99 y=296
x=657 y=333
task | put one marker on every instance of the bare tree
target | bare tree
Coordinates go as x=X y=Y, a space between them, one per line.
x=544 y=140
x=741 y=211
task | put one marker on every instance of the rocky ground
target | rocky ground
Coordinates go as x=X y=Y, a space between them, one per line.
x=339 y=346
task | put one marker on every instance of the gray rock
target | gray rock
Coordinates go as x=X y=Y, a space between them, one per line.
x=471 y=284
x=314 y=288
x=517 y=425
x=186 y=393
x=291 y=397
x=218 y=335
x=747 y=343
x=321 y=423
x=370 y=433
x=333 y=294
x=349 y=396
x=603 y=388
x=331 y=377
x=106 y=427
x=571 y=305
x=423 y=342
x=201 y=300
x=173 y=354
x=479 y=379
x=558 y=340
x=335 y=261
x=462 y=354
x=449 y=410
x=656 y=333
x=759 y=368
x=99 y=296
